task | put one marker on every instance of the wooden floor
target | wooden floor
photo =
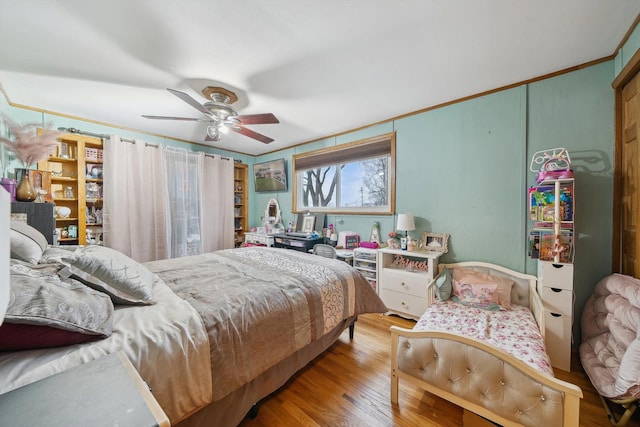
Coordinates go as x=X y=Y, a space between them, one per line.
x=348 y=385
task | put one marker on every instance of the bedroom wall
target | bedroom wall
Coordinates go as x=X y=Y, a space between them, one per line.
x=464 y=170
x=628 y=49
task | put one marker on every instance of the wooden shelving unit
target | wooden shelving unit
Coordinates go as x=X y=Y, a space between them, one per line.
x=71 y=171
x=240 y=182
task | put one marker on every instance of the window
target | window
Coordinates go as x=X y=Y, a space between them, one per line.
x=352 y=178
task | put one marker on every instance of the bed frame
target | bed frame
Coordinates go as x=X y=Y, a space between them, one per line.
x=482 y=378
x=246 y=400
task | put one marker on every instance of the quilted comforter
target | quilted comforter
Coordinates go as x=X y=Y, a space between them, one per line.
x=260 y=305
x=610 y=349
x=514 y=331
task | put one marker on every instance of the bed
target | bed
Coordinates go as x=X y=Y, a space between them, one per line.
x=454 y=351
x=211 y=334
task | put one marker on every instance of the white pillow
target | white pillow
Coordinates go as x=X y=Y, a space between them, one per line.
x=27 y=243
x=125 y=280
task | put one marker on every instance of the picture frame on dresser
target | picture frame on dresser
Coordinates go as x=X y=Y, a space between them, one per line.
x=308 y=224
x=435 y=242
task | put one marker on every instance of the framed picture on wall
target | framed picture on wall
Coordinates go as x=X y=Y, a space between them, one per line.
x=270 y=176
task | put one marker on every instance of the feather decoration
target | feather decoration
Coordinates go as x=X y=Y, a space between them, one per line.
x=27 y=145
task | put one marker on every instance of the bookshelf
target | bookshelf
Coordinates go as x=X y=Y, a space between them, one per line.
x=76 y=183
x=240 y=182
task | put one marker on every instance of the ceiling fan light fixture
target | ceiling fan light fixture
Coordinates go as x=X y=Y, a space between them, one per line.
x=212 y=132
x=221 y=116
x=219 y=94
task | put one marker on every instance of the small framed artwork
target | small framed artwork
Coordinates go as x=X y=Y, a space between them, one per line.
x=435 y=242
x=308 y=224
x=64 y=152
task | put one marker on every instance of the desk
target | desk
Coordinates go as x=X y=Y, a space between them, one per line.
x=298 y=243
x=105 y=392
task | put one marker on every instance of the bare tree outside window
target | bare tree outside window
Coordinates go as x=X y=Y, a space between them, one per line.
x=318 y=187
x=375 y=182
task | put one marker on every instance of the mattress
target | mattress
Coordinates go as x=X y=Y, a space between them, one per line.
x=513 y=331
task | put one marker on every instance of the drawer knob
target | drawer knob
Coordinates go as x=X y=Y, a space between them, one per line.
x=404 y=285
x=404 y=304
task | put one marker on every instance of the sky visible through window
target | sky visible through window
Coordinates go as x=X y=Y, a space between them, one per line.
x=353 y=185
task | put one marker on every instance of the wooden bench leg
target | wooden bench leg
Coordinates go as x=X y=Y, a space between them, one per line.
x=630 y=407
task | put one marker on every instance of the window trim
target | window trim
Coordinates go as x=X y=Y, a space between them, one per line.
x=334 y=152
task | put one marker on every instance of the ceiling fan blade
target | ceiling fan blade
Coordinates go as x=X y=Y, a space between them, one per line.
x=251 y=134
x=257 y=119
x=189 y=100
x=170 y=118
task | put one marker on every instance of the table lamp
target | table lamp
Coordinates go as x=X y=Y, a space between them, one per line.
x=406 y=223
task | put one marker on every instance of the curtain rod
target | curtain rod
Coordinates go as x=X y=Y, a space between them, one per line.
x=100 y=135
x=213 y=156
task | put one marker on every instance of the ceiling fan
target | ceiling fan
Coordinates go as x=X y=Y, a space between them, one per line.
x=222 y=117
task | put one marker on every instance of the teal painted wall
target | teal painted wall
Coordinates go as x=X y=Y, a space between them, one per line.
x=576 y=111
x=464 y=170
x=628 y=49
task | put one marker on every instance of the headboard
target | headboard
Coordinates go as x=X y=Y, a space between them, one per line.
x=523 y=283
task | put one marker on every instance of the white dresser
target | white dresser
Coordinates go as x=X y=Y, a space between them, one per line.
x=259 y=239
x=404 y=289
x=555 y=286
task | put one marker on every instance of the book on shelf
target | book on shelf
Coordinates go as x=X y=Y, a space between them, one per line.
x=544 y=245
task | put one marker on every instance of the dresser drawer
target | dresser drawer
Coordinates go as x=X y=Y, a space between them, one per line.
x=557 y=300
x=556 y=275
x=406 y=282
x=403 y=303
x=557 y=339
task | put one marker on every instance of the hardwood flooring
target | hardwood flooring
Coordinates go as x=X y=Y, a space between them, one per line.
x=348 y=385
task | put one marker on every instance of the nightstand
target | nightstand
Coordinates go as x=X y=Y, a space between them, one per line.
x=403 y=277
x=104 y=392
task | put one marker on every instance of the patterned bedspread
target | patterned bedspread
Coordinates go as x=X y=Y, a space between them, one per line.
x=260 y=305
x=513 y=331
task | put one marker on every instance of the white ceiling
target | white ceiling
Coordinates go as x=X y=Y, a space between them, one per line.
x=322 y=67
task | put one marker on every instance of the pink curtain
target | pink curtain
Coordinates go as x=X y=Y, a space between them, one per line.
x=135 y=199
x=217 y=203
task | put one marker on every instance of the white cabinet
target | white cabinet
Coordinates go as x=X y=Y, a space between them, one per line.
x=403 y=277
x=365 y=260
x=258 y=239
x=555 y=286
